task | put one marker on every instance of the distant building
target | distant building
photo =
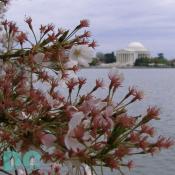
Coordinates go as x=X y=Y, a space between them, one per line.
x=127 y=56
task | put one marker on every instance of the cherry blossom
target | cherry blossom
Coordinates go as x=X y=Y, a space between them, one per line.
x=43 y=107
x=48 y=139
x=38 y=58
x=81 y=54
x=115 y=77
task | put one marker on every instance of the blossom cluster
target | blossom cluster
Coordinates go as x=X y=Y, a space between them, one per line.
x=82 y=130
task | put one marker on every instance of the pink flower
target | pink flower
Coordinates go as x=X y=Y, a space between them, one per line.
x=163 y=142
x=71 y=83
x=115 y=77
x=5 y=23
x=138 y=95
x=38 y=58
x=42 y=28
x=153 y=150
x=121 y=152
x=54 y=99
x=77 y=131
x=70 y=64
x=99 y=83
x=70 y=141
x=92 y=106
x=48 y=139
x=21 y=38
x=108 y=111
x=56 y=168
x=29 y=22
x=93 y=44
x=84 y=23
x=103 y=119
x=87 y=34
x=147 y=130
x=143 y=143
x=153 y=113
x=126 y=121
x=52 y=37
x=103 y=123
x=106 y=120
x=134 y=137
x=81 y=81
x=82 y=54
x=131 y=164
x=12 y=27
x=113 y=164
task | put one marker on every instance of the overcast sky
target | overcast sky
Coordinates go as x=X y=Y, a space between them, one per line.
x=114 y=23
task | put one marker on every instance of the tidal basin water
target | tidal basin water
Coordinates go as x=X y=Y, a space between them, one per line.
x=159 y=88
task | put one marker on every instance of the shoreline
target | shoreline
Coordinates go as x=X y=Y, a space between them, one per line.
x=96 y=67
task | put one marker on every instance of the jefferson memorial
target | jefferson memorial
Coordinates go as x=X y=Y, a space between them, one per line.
x=127 y=56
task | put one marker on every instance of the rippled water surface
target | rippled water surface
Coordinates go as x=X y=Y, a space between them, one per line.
x=159 y=88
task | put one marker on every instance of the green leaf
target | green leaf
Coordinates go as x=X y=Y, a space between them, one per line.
x=62 y=38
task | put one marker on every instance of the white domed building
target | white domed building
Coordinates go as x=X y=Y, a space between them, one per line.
x=128 y=56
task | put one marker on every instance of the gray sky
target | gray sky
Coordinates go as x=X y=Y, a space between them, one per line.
x=114 y=23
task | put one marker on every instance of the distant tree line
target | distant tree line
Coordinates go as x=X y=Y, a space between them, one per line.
x=103 y=58
x=159 y=61
x=106 y=58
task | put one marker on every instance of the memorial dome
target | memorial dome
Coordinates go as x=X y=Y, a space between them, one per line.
x=136 y=46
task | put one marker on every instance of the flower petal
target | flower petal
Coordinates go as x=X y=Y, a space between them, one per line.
x=83 y=62
x=75 y=120
x=38 y=58
x=72 y=143
x=48 y=139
